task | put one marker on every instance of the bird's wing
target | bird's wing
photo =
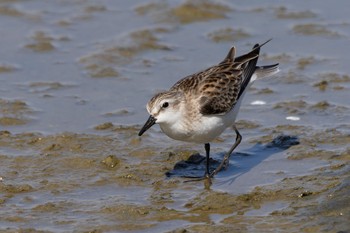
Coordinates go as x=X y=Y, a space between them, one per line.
x=216 y=88
x=219 y=87
x=222 y=89
x=192 y=81
x=219 y=91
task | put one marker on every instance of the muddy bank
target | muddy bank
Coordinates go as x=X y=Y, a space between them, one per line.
x=66 y=179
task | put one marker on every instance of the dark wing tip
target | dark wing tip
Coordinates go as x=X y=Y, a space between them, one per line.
x=258 y=46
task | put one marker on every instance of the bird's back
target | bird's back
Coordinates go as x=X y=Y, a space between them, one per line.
x=218 y=88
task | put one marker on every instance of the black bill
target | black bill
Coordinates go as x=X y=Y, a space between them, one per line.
x=151 y=121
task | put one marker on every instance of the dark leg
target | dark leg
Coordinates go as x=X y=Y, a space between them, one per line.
x=225 y=161
x=207 y=152
x=207 y=174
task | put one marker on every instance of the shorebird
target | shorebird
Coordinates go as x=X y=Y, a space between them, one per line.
x=199 y=107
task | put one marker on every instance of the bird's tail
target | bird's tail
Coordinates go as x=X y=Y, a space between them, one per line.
x=266 y=71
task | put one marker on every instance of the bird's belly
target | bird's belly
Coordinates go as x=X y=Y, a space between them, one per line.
x=203 y=130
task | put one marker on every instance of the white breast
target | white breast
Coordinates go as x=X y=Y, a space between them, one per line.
x=205 y=129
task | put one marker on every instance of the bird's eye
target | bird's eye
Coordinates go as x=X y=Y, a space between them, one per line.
x=165 y=105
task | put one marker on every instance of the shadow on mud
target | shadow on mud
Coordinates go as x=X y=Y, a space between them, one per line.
x=194 y=166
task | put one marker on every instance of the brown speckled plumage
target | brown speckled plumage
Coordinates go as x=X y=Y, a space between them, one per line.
x=218 y=87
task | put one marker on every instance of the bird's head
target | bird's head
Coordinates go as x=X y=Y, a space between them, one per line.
x=164 y=108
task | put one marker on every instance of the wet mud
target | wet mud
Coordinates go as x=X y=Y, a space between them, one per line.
x=76 y=75
x=186 y=12
x=14 y=112
x=228 y=34
x=44 y=177
x=102 y=64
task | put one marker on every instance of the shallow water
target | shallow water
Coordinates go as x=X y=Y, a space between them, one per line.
x=76 y=75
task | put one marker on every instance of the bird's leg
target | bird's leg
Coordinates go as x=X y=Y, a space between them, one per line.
x=207 y=153
x=225 y=161
x=207 y=174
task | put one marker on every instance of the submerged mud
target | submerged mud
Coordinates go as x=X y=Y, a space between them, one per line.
x=186 y=12
x=102 y=64
x=14 y=112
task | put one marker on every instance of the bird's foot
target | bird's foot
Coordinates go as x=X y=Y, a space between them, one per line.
x=194 y=179
x=207 y=176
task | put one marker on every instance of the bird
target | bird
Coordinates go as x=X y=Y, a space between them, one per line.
x=199 y=107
